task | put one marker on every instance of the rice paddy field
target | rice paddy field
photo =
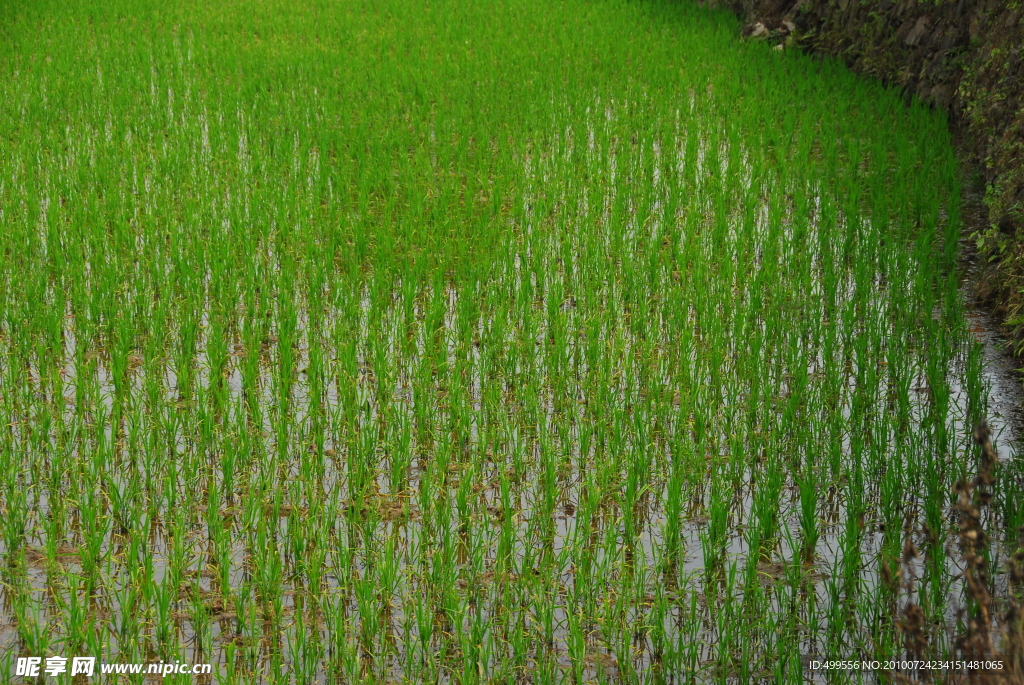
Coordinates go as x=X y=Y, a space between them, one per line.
x=475 y=342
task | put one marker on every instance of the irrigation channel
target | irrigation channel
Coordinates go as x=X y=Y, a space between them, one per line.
x=478 y=342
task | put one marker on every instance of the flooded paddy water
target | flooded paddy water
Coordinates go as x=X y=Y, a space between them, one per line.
x=597 y=363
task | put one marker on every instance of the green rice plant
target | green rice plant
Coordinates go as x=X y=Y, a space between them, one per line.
x=808 y=486
x=714 y=538
x=430 y=352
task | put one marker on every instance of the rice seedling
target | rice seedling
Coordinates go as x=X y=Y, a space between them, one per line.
x=475 y=342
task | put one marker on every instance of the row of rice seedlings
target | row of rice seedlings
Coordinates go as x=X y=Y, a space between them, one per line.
x=410 y=350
